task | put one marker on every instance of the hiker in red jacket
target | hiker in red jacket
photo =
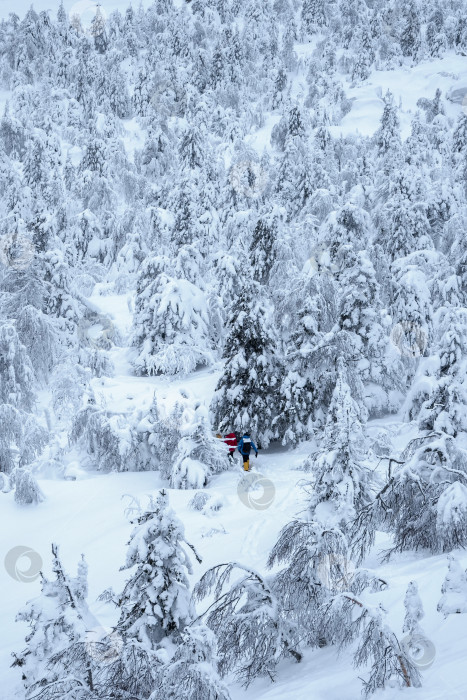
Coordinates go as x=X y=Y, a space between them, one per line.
x=231 y=440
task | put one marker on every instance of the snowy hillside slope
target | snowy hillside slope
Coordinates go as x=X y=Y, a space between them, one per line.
x=85 y=513
x=87 y=516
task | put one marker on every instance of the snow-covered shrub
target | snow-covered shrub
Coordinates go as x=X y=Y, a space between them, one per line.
x=214 y=505
x=199 y=500
x=110 y=440
x=207 y=503
x=53 y=461
x=160 y=434
x=97 y=361
x=27 y=489
x=189 y=473
x=199 y=453
x=193 y=667
x=67 y=385
x=4 y=483
x=454 y=589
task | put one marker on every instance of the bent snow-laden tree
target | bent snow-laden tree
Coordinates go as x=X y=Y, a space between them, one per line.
x=252 y=634
x=348 y=619
x=316 y=599
x=423 y=503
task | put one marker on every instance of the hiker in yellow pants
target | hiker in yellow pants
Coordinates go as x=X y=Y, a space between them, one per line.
x=244 y=447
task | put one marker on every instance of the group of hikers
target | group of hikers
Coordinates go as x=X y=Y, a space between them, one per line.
x=243 y=445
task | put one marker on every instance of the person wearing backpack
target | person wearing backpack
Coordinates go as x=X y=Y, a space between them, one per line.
x=244 y=447
x=231 y=441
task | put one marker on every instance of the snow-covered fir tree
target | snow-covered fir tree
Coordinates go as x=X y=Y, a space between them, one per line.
x=246 y=396
x=171 y=323
x=454 y=589
x=302 y=387
x=342 y=483
x=155 y=602
x=413 y=609
x=55 y=662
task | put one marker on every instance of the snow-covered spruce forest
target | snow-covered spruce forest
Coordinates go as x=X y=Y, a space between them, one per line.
x=217 y=216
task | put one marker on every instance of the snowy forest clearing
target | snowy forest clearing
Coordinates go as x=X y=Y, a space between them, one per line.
x=87 y=515
x=413 y=82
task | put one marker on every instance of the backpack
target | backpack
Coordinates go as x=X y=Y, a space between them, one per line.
x=246 y=445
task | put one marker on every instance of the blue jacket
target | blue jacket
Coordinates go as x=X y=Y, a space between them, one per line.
x=240 y=446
